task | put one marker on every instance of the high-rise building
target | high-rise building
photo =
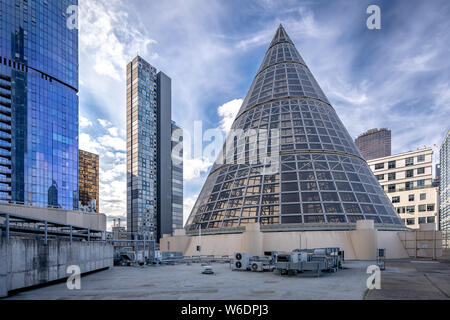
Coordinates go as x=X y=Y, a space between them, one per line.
x=38 y=104
x=149 y=169
x=375 y=143
x=88 y=181
x=315 y=178
x=444 y=184
x=407 y=179
x=177 y=177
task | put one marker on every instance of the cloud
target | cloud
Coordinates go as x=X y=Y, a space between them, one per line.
x=104 y=123
x=102 y=140
x=188 y=204
x=193 y=168
x=228 y=112
x=84 y=122
x=108 y=35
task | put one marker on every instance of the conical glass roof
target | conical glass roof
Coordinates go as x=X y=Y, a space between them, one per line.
x=320 y=180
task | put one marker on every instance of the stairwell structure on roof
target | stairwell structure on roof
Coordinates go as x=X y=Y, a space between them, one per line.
x=320 y=181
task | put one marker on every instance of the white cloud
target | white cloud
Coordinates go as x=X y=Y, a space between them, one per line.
x=84 y=122
x=188 y=204
x=104 y=123
x=106 y=32
x=193 y=168
x=113 y=131
x=228 y=112
x=86 y=143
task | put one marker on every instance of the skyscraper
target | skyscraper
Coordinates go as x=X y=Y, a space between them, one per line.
x=177 y=177
x=375 y=143
x=444 y=184
x=88 y=183
x=321 y=183
x=38 y=104
x=149 y=169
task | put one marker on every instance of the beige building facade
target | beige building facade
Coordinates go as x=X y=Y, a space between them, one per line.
x=407 y=179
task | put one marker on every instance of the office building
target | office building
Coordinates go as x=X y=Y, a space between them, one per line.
x=322 y=181
x=177 y=177
x=88 y=181
x=38 y=104
x=407 y=179
x=375 y=143
x=444 y=184
x=149 y=166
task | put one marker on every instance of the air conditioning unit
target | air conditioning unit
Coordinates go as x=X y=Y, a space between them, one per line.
x=241 y=261
x=257 y=266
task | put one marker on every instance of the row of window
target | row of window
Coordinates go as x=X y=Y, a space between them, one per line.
x=410 y=185
x=293 y=219
x=411 y=197
x=412 y=209
x=420 y=220
x=393 y=164
x=393 y=175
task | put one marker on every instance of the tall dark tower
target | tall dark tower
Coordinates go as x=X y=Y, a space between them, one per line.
x=321 y=183
x=375 y=143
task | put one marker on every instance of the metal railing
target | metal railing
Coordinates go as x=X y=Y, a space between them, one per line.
x=13 y=225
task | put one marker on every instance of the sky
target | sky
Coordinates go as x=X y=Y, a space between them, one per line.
x=397 y=77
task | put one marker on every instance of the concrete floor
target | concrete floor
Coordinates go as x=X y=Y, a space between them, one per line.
x=414 y=280
x=182 y=282
x=411 y=280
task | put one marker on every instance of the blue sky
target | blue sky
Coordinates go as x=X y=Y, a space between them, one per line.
x=397 y=77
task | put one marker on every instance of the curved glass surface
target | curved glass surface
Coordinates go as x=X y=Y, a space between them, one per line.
x=321 y=181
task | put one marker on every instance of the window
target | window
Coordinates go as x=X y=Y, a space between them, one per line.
x=379 y=166
x=421 y=171
x=391 y=188
x=409 y=161
x=411 y=209
x=409 y=222
x=423 y=196
x=430 y=220
x=391 y=164
x=422 y=220
x=391 y=176
x=411 y=197
x=380 y=177
x=409 y=185
x=421 y=158
x=421 y=183
x=430 y=207
x=395 y=199
x=409 y=173
x=422 y=208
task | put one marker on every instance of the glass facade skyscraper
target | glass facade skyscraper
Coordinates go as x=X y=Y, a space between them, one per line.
x=149 y=166
x=321 y=182
x=38 y=104
x=444 y=184
x=88 y=183
x=177 y=177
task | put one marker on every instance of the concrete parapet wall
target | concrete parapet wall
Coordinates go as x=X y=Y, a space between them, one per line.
x=360 y=244
x=28 y=262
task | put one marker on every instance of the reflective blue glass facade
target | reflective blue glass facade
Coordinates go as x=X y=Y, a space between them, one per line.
x=38 y=104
